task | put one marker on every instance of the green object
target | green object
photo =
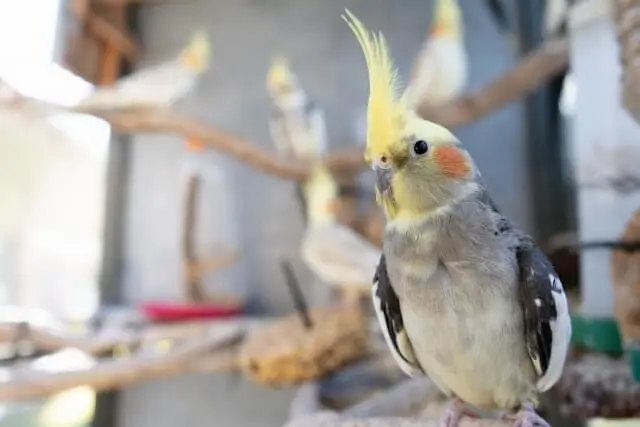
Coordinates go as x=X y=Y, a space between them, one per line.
x=633 y=358
x=598 y=334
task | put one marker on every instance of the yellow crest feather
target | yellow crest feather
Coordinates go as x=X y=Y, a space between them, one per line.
x=385 y=109
x=279 y=73
x=195 y=56
x=448 y=19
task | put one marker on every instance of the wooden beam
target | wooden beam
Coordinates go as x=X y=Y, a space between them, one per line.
x=111 y=56
x=114 y=35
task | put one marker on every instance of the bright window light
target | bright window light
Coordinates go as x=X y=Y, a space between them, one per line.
x=26 y=63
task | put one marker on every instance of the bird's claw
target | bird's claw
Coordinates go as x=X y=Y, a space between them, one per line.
x=453 y=412
x=526 y=417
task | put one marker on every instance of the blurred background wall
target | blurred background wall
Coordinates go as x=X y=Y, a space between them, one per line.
x=266 y=223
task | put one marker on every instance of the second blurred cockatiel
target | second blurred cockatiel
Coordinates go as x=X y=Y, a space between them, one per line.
x=441 y=69
x=297 y=125
x=462 y=295
x=335 y=253
x=155 y=87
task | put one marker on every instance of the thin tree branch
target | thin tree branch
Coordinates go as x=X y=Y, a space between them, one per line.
x=389 y=409
x=117 y=373
x=327 y=420
x=46 y=341
x=548 y=60
x=404 y=399
x=167 y=122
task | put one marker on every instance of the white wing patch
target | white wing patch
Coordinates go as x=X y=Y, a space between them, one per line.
x=560 y=336
x=405 y=366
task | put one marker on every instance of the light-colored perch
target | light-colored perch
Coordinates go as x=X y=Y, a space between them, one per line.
x=404 y=399
x=100 y=344
x=531 y=72
x=48 y=341
x=537 y=67
x=327 y=420
x=35 y=384
x=306 y=401
x=388 y=409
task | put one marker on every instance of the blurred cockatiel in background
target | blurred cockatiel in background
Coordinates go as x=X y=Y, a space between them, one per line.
x=155 y=87
x=339 y=256
x=441 y=71
x=461 y=294
x=297 y=125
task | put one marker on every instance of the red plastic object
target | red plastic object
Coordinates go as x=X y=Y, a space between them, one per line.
x=166 y=312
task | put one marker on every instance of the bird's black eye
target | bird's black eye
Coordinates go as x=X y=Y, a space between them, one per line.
x=420 y=147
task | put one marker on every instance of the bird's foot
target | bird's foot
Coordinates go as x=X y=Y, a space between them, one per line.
x=453 y=412
x=526 y=417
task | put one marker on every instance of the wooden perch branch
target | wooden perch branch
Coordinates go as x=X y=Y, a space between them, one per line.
x=402 y=400
x=325 y=420
x=167 y=122
x=118 y=373
x=389 y=409
x=533 y=70
x=49 y=342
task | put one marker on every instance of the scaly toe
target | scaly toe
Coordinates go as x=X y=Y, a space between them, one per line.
x=449 y=418
x=527 y=417
x=451 y=415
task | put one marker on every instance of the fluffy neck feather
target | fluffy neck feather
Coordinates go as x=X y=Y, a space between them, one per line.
x=448 y=21
x=413 y=201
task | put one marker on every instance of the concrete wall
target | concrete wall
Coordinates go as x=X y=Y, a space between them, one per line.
x=266 y=220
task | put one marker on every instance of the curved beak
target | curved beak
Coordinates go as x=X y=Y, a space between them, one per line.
x=384 y=174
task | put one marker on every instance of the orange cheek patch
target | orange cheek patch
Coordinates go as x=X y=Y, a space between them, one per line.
x=452 y=162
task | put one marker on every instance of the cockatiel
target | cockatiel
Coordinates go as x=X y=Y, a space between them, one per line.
x=335 y=253
x=297 y=125
x=155 y=87
x=462 y=295
x=441 y=70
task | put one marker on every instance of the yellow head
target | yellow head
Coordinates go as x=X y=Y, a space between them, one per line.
x=321 y=192
x=195 y=56
x=448 y=19
x=419 y=165
x=280 y=78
